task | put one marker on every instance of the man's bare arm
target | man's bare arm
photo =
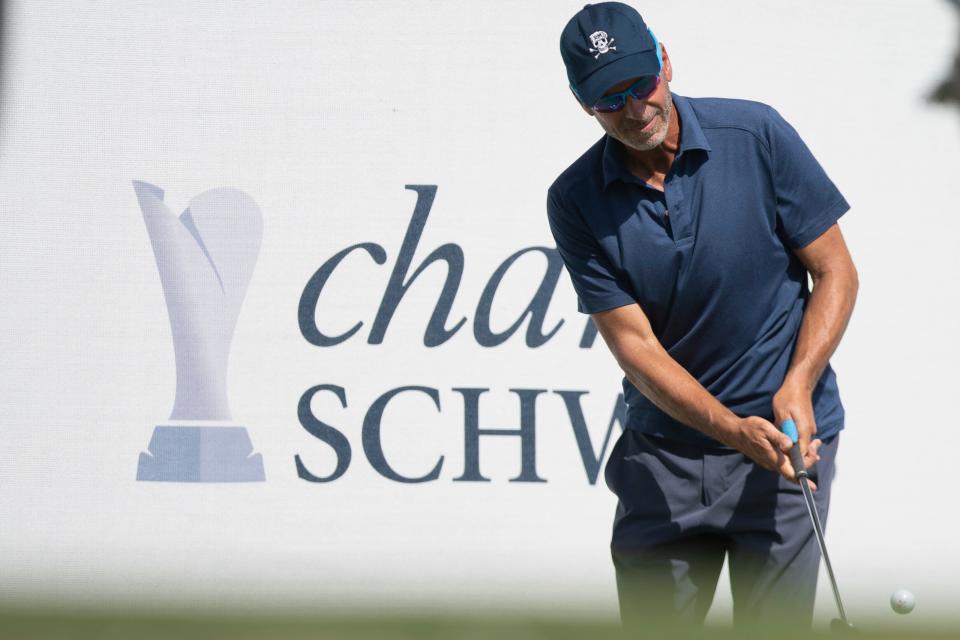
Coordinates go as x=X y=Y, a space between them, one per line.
x=659 y=377
x=828 y=311
x=835 y=285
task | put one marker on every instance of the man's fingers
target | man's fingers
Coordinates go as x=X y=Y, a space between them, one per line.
x=770 y=458
x=780 y=443
x=778 y=439
x=812 y=455
x=786 y=469
x=783 y=460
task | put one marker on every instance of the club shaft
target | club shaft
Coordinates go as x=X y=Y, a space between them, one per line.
x=818 y=530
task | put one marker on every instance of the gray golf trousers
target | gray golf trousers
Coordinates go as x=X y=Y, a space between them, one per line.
x=682 y=508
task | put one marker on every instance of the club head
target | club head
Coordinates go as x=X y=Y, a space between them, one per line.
x=842 y=626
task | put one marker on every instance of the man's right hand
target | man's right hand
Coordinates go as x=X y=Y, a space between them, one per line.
x=762 y=442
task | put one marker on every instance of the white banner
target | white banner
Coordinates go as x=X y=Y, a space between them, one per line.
x=284 y=324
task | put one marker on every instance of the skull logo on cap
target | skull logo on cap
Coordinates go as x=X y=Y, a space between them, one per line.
x=602 y=42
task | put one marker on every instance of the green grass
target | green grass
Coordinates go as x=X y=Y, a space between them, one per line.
x=49 y=624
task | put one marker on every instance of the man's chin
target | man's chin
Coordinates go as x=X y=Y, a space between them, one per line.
x=645 y=143
x=636 y=138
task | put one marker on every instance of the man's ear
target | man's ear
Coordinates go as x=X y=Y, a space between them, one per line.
x=579 y=102
x=667 y=67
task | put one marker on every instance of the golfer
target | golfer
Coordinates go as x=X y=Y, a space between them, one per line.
x=688 y=231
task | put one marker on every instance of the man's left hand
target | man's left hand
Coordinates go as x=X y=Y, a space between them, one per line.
x=793 y=401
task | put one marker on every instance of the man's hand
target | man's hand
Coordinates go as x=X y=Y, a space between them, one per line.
x=793 y=401
x=762 y=442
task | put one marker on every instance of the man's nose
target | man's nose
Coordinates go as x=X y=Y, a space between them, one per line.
x=634 y=108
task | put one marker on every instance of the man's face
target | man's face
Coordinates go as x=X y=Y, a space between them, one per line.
x=641 y=124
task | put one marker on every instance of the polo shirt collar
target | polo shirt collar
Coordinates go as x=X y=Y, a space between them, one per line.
x=691 y=137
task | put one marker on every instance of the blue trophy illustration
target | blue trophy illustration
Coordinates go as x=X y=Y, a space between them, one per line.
x=205 y=257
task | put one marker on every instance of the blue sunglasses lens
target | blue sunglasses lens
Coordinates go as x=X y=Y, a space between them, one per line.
x=644 y=87
x=608 y=104
x=640 y=89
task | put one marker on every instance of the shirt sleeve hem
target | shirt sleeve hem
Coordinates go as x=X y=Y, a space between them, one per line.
x=606 y=303
x=815 y=229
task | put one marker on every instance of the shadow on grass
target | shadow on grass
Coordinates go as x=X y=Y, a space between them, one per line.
x=47 y=624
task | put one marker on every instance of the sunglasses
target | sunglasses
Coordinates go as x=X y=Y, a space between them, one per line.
x=639 y=90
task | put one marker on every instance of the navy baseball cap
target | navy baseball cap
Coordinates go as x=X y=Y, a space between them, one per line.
x=604 y=44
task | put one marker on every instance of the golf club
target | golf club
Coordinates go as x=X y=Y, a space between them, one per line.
x=789 y=427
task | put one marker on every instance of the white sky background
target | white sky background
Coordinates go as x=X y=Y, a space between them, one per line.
x=322 y=112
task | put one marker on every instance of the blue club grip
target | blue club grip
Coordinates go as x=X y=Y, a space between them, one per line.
x=789 y=427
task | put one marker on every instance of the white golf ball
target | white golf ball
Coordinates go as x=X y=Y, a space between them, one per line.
x=902 y=601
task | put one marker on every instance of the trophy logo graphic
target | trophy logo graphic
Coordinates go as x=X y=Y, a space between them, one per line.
x=205 y=259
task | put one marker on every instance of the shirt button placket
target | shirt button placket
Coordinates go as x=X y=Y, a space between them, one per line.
x=679 y=221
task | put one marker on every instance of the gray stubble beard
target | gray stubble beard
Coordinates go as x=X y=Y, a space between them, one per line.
x=657 y=138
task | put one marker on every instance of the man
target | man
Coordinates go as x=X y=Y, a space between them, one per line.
x=688 y=231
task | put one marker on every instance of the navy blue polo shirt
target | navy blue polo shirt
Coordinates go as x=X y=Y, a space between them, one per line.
x=709 y=259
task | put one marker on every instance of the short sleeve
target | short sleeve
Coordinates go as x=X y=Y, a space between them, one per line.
x=598 y=288
x=808 y=203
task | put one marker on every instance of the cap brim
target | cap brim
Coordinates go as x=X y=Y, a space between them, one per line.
x=633 y=66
